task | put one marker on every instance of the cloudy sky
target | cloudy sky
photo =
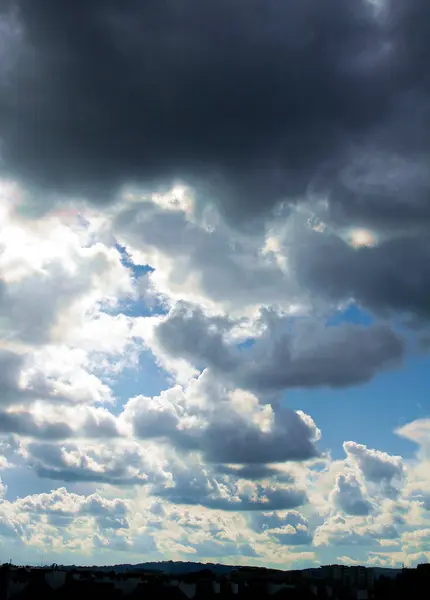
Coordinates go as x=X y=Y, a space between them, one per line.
x=215 y=281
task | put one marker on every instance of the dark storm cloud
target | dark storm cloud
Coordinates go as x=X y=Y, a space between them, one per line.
x=249 y=98
x=384 y=191
x=393 y=276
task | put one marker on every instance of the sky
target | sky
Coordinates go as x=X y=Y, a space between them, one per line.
x=215 y=282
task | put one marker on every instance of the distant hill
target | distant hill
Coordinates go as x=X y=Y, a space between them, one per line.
x=168 y=566
x=176 y=568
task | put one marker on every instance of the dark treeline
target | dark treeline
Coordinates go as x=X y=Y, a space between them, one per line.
x=326 y=583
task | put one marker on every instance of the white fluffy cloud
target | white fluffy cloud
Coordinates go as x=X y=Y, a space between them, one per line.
x=418 y=432
x=417 y=485
x=376 y=466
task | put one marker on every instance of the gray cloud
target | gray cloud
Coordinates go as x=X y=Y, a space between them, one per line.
x=24 y=424
x=210 y=91
x=290 y=536
x=329 y=267
x=350 y=497
x=266 y=521
x=233 y=440
x=191 y=489
x=116 y=465
x=96 y=424
x=290 y=353
x=381 y=190
x=256 y=472
x=187 y=483
x=11 y=365
x=223 y=266
x=324 y=269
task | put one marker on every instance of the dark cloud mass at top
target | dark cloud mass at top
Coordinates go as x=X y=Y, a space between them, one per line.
x=253 y=101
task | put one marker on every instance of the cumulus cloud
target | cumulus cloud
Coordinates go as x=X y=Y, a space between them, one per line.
x=61 y=505
x=49 y=423
x=24 y=424
x=226 y=426
x=292 y=263
x=54 y=374
x=376 y=467
x=51 y=274
x=341 y=530
x=120 y=463
x=67 y=522
x=289 y=528
x=199 y=260
x=350 y=496
x=417 y=432
x=293 y=536
x=11 y=364
x=197 y=487
x=417 y=484
x=189 y=482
